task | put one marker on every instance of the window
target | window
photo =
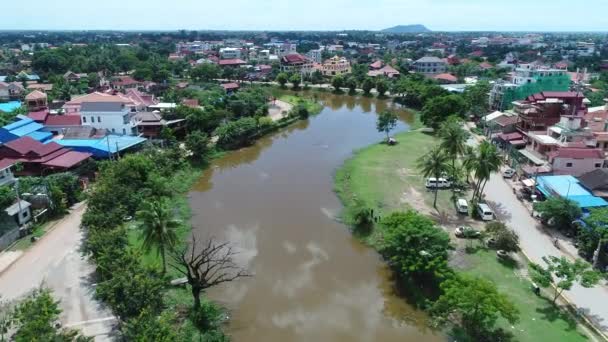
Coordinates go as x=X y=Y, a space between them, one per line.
x=113 y=130
x=92 y=119
x=125 y=119
x=84 y=119
x=124 y=131
x=568 y=164
x=99 y=119
x=598 y=165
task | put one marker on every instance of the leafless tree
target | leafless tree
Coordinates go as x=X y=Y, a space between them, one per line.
x=206 y=267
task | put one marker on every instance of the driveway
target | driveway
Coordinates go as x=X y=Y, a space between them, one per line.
x=57 y=262
x=536 y=244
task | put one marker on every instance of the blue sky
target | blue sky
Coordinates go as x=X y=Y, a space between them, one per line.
x=448 y=15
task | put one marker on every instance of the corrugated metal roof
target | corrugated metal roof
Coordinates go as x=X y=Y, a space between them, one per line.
x=568 y=187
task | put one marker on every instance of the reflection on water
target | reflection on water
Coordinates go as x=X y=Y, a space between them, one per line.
x=274 y=202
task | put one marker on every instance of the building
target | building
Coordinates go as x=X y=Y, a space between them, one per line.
x=527 y=79
x=378 y=68
x=150 y=125
x=36 y=100
x=230 y=53
x=570 y=188
x=89 y=140
x=231 y=63
x=315 y=55
x=122 y=83
x=446 y=78
x=20 y=212
x=430 y=65
x=596 y=181
x=73 y=77
x=114 y=117
x=286 y=49
x=23 y=127
x=73 y=106
x=576 y=161
x=6 y=174
x=539 y=111
x=11 y=91
x=335 y=66
x=296 y=63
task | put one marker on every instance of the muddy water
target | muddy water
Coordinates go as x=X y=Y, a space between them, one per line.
x=274 y=201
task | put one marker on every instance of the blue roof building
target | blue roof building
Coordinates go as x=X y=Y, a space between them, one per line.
x=24 y=127
x=102 y=147
x=569 y=187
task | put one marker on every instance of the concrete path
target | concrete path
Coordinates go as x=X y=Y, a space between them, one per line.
x=536 y=243
x=56 y=261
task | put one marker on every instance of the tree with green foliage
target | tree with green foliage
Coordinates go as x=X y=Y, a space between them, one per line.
x=158 y=227
x=351 y=84
x=316 y=77
x=302 y=111
x=438 y=109
x=487 y=161
x=563 y=274
x=381 y=86
x=433 y=164
x=559 y=212
x=505 y=239
x=149 y=327
x=337 y=82
x=386 y=122
x=197 y=143
x=295 y=80
x=593 y=238
x=35 y=317
x=367 y=85
x=7 y=196
x=236 y=133
x=453 y=141
x=415 y=246
x=282 y=79
x=476 y=98
x=475 y=304
x=205 y=72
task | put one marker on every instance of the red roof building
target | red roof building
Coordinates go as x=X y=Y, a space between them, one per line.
x=37 y=157
x=234 y=62
x=446 y=78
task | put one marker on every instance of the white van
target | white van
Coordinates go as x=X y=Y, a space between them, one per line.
x=442 y=183
x=462 y=206
x=485 y=212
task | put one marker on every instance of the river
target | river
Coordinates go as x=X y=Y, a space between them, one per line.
x=274 y=201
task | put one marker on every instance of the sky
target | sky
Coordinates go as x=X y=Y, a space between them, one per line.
x=323 y=15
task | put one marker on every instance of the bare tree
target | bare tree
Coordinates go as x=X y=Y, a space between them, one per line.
x=206 y=267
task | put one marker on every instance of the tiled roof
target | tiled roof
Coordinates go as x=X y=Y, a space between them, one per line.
x=293 y=58
x=446 y=77
x=99 y=97
x=62 y=120
x=35 y=95
x=39 y=116
x=578 y=153
x=233 y=61
x=68 y=159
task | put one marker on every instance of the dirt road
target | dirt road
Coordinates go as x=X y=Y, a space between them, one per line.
x=56 y=262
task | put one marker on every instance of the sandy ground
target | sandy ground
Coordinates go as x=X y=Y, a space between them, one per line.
x=56 y=261
x=278 y=109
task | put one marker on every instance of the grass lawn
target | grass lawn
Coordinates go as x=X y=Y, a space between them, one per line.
x=313 y=107
x=384 y=178
x=539 y=319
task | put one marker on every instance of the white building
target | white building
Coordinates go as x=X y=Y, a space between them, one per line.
x=230 y=53
x=315 y=55
x=286 y=49
x=430 y=65
x=112 y=116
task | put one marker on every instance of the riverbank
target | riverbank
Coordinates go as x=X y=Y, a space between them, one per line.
x=384 y=178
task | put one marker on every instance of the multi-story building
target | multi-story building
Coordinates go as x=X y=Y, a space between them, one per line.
x=430 y=65
x=230 y=53
x=315 y=55
x=114 y=117
x=286 y=49
x=335 y=66
x=297 y=63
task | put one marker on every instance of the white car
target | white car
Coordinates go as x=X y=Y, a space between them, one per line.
x=508 y=173
x=462 y=206
x=440 y=183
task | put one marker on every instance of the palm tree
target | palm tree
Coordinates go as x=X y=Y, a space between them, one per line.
x=433 y=164
x=453 y=141
x=158 y=226
x=468 y=160
x=488 y=161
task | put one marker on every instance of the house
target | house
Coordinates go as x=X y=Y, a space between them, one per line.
x=446 y=78
x=192 y=103
x=296 y=63
x=596 y=181
x=230 y=87
x=230 y=53
x=453 y=60
x=430 y=65
x=542 y=110
x=57 y=124
x=150 y=124
x=576 y=161
x=11 y=91
x=37 y=157
x=567 y=186
x=378 y=68
x=36 y=100
x=315 y=55
x=44 y=87
x=92 y=141
x=6 y=174
x=335 y=66
x=20 y=212
x=73 y=77
x=73 y=106
x=141 y=100
x=231 y=63
x=115 y=117
x=122 y=83
x=23 y=127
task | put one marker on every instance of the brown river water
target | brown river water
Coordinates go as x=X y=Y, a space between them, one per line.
x=274 y=201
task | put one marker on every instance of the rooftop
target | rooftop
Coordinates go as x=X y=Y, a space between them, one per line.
x=568 y=187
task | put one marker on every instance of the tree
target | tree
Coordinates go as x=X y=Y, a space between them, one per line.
x=474 y=304
x=476 y=98
x=453 y=141
x=561 y=212
x=433 y=164
x=282 y=79
x=437 y=109
x=367 y=85
x=7 y=196
x=594 y=236
x=381 y=86
x=148 y=327
x=386 y=122
x=415 y=246
x=206 y=266
x=351 y=84
x=158 y=227
x=337 y=82
x=295 y=79
x=236 y=133
x=469 y=158
x=205 y=72
x=504 y=238
x=563 y=273
x=35 y=317
x=197 y=143
x=487 y=162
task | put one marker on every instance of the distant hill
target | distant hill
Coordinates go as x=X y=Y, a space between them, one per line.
x=407 y=29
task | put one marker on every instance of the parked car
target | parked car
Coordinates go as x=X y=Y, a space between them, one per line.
x=467 y=232
x=440 y=183
x=484 y=211
x=462 y=206
x=508 y=173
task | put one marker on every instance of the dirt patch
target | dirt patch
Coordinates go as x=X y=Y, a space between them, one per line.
x=415 y=200
x=278 y=109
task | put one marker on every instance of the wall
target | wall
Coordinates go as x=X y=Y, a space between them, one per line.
x=578 y=168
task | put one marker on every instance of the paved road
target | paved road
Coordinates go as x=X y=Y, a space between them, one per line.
x=56 y=261
x=536 y=244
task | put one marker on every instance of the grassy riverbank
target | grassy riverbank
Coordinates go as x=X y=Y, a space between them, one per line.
x=384 y=178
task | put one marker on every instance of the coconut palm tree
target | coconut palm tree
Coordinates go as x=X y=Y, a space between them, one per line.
x=468 y=160
x=433 y=164
x=488 y=161
x=453 y=139
x=158 y=227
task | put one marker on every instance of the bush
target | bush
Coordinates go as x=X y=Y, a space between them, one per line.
x=236 y=133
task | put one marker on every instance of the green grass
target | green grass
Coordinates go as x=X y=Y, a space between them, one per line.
x=313 y=107
x=539 y=319
x=26 y=242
